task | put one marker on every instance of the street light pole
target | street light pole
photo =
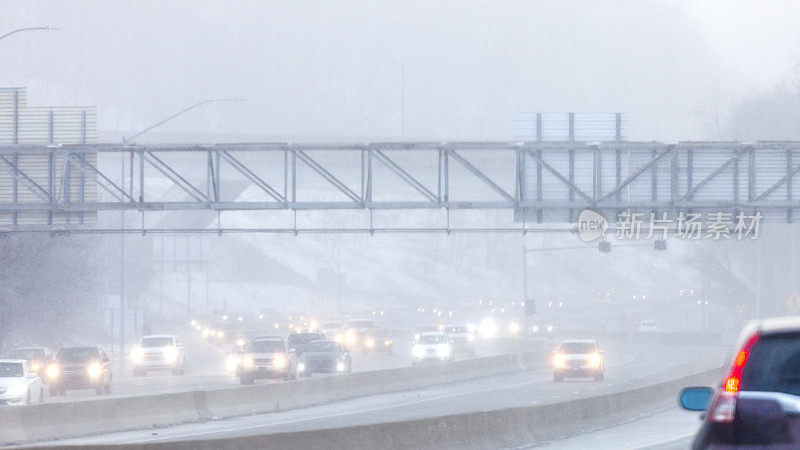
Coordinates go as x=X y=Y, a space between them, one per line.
x=179 y=113
x=20 y=30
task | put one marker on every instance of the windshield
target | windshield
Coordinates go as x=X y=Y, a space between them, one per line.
x=157 y=342
x=432 y=339
x=78 y=354
x=323 y=347
x=266 y=347
x=302 y=339
x=574 y=348
x=11 y=370
x=26 y=353
x=331 y=325
x=360 y=324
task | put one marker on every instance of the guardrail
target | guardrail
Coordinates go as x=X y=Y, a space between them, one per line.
x=509 y=427
x=71 y=419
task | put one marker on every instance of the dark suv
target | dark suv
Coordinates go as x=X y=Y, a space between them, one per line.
x=757 y=404
x=80 y=368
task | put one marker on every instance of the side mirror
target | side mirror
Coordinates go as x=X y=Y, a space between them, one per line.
x=695 y=398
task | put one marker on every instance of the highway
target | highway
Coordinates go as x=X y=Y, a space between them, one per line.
x=628 y=366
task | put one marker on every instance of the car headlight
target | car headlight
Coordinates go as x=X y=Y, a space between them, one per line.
x=247 y=361
x=338 y=338
x=470 y=338
x=416 y=336
x=232 y=362
x=35 y=366
x=220 y=334
x=535 y=328
x=170 y=354
x=95 y=370
x=279 y=361
x=301 y=367
x=387 y=342
x=513 y=327
x=418 y=351
x=53 y=371
x=487 y=329
x=340 y=366
x=137 y=355
x=240 y=342
x=549 y=328
x=370 y=343
x=17 y=389
x=594 y=360
x=559 y=360
x=350 y=337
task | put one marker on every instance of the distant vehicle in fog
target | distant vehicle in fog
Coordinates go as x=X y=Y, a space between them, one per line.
x=757 y=402
x=324 y=357
x=267 y=357
x=356 y=328
x=648 y=325
x=578 y=358
x=158 y=352
x=332 y=329
x=461 y=338
x=37 y=358
x=432 y=346
x=298 y=342
x=19 y=385
x=378 y=340
x=77 y=368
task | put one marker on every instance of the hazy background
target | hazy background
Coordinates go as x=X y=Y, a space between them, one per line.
x=322 y=71
x=332 y=70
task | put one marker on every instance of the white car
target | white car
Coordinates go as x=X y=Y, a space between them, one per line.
x=158 y=352
x=267 y=357
x=433 y=346
x=578 y=358
x=18 y=384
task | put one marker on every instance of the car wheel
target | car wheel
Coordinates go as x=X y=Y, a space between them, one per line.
x=558 y=378
x=598 y=377
x=28 y=397
x=99 y=390
x=53 y=391
x=107 y=388
x=247 y=379
x=41 y=395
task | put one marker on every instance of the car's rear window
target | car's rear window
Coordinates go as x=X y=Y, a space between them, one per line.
x=773 y=364
x=577 y=347
x=323 y=346
x=432 y=339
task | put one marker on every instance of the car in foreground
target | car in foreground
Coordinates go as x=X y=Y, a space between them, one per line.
x=377 y=340
x=432 y=346
x=267 y=357
x=76 y=368
x=158 y=352
x=757 y=402
x=462 y=339
x=325 y=357
x=19 y=385
x=298 y=342
x=578 y=358
x=37 y=357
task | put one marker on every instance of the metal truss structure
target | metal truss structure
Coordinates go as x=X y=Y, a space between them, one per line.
x=539 y=182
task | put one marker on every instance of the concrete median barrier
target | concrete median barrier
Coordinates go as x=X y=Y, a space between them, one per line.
x=105 y=415
x=509 y=427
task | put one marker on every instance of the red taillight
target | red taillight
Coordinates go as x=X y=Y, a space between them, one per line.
x=731 y=383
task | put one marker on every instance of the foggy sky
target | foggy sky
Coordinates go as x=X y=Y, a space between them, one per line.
x=332 y=70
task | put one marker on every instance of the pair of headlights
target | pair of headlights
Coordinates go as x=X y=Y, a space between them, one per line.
x=95 y=370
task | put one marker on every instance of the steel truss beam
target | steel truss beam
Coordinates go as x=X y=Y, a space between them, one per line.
x=540 y=182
